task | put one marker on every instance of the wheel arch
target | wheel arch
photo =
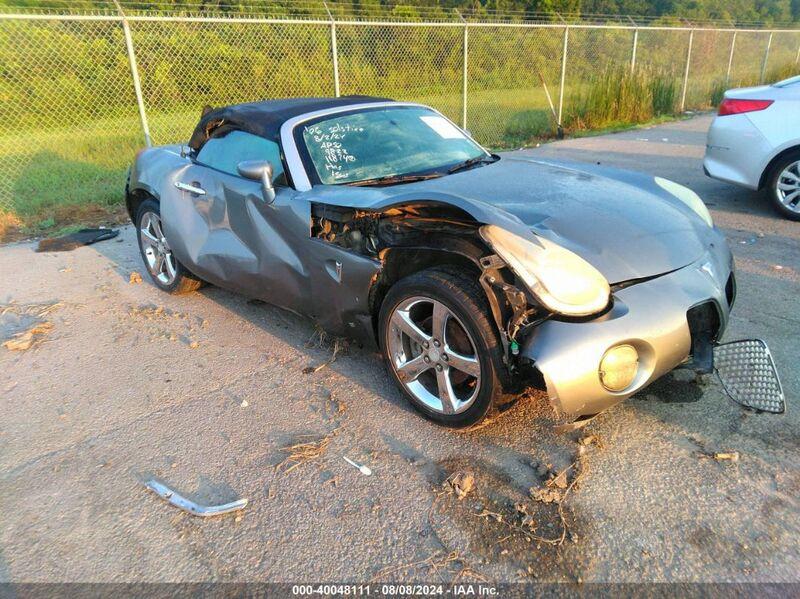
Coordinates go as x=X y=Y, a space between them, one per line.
x=400 y=262
x=134 y=198
x=767 y=172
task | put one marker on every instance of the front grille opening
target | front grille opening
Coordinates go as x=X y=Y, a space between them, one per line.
x=730 y=290
x=704 y=326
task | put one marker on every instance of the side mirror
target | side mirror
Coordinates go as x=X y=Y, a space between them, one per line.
x=259 y=170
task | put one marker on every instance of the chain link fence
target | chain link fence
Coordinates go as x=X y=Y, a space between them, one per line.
x=81 y=93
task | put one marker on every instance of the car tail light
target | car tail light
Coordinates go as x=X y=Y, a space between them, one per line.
x=735 y=106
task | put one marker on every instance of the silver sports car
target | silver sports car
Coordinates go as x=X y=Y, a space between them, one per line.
x=476 y=274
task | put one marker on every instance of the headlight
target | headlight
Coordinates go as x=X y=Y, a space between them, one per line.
x=688 y=197
x=562 y=281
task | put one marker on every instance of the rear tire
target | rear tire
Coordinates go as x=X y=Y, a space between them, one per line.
x=783 y=186
x=441 y=347
x=163 y=267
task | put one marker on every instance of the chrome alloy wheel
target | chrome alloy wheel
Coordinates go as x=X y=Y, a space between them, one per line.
x=788 y=189
x=157 y=254
x=433 y=355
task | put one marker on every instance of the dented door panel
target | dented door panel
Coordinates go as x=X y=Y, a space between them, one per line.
x=230 y=237
x=340 y=282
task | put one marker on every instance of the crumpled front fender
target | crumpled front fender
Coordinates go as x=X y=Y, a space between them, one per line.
x=651 y=316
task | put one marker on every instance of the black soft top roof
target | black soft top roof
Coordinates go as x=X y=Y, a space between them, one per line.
x=265 y=118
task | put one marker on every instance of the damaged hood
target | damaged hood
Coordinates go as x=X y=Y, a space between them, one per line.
x=621 y=222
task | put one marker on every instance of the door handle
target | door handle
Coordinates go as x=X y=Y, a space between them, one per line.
x=190 y=188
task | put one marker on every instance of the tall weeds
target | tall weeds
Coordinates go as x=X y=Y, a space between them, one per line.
x=618 y=96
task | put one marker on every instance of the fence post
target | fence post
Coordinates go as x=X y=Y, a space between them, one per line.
x=334 y=51
x=686 y=70
x=563 y=76
x=137 y=87
x=465 y=56
x=464 y=83
x=730 y=60
x=633 y=50
x=766 y=58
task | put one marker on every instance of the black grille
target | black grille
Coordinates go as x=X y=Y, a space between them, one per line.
x=730 y=290
x=704 y=325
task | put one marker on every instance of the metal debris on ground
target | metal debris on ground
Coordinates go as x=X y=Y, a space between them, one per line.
x=365 y=470
x=303 y=453
x=135 y=277
x=30 y=338
x=461 y=483
x=193 y=508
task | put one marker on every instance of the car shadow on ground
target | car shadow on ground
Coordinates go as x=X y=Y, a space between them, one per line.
x=363 y=364
x=360 y=363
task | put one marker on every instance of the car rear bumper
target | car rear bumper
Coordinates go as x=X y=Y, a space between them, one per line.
x=735 y=151
x=651 y=316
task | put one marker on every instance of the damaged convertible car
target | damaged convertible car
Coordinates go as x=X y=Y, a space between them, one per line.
x=477 y=275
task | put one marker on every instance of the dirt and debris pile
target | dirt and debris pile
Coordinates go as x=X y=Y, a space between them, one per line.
x=461 y=483
x=27 y=324
x=321 y=340
x=305 y=452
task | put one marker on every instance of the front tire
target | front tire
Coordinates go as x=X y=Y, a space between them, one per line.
x=783 y=186
x=163 y=267
x=441 y=347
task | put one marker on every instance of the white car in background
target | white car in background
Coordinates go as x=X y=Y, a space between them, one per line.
x=755 y=142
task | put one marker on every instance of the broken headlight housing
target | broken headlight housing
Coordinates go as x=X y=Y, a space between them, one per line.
x=562 y=281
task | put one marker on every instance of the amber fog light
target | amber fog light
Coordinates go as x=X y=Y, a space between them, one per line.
x=618 y=367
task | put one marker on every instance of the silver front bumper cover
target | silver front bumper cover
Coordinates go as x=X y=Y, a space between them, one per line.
x=651 y=316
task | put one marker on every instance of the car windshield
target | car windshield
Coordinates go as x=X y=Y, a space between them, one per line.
x=392 y=144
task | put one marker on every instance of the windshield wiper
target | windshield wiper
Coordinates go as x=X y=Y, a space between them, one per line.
x=472 y=162
x=389 y=179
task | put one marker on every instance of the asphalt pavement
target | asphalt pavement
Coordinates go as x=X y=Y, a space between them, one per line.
x=206 y=392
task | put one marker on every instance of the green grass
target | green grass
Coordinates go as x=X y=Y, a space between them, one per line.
x=76 y=175
x=63 y=177
x=59 y=177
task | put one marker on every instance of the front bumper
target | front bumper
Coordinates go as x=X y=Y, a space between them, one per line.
x=651 y=316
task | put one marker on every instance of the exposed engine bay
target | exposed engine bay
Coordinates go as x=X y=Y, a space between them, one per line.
x=435 y=228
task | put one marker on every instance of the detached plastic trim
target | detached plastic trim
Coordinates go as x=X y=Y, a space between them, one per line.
x=748 y=374
x=193 y=508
